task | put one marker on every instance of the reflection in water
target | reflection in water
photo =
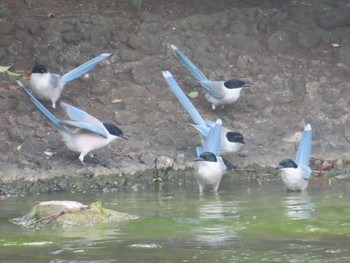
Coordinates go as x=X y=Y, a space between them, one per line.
x=243 y=223
x=298 y=205
x=213 y=213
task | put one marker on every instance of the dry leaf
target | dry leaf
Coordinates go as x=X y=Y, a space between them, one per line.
x=26 y=75
x=116 y=100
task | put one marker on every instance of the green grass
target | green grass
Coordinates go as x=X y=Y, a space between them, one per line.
x=137 y=3
x=3 y=10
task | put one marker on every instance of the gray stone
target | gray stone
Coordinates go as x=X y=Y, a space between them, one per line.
x=334 y=17
x=127 y=54
x=145 y=43
x=100 y=88
x=238 y=27
x=279 y=41
x=309 y=38
x=86 y=47
x=71 y=37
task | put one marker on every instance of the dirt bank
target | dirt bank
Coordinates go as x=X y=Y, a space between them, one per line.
x=295 y=54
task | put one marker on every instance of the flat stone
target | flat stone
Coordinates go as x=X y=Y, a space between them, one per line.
x=69 y=214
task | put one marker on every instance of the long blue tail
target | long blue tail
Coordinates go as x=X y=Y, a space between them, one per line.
x=82 y=69
x=303 y=154
x=192 y=68
x=185 y=102
x=213 y=141
x=43 y=110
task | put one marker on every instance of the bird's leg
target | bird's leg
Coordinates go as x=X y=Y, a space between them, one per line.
x=81 y=158
x=88 y=172
x=200 y=188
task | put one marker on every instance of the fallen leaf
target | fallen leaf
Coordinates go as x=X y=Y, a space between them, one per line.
x=4 y=68
x=117 y=101
x=26 y=75
x=51 y=14
x=13 y=74
x=193 y=94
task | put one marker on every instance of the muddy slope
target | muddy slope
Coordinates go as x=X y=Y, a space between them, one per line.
x=295 y=54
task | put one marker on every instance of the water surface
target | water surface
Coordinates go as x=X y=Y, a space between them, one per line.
x=244 y=222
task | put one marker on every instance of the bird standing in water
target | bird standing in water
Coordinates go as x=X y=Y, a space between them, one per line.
x=295 y=175
x=210 y=165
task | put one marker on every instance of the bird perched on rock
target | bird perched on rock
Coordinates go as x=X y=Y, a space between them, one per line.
x=48 y=86
x=295 y=175
x=89 y=133
x=230 y=141
x=210 y=166
x=216 y=92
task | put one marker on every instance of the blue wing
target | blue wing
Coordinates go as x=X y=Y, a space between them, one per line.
x=82 y=69
x=185 y=102
x=223 y=166
x=79 y=115
x=213 y=141
x=192 y=68
x=303 y=154
x=43 y=110
x=306 y=172
x=82 y=120
x=213 y=89
x=85 y=126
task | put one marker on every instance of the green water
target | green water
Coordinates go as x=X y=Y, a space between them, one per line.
x=244 y=222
